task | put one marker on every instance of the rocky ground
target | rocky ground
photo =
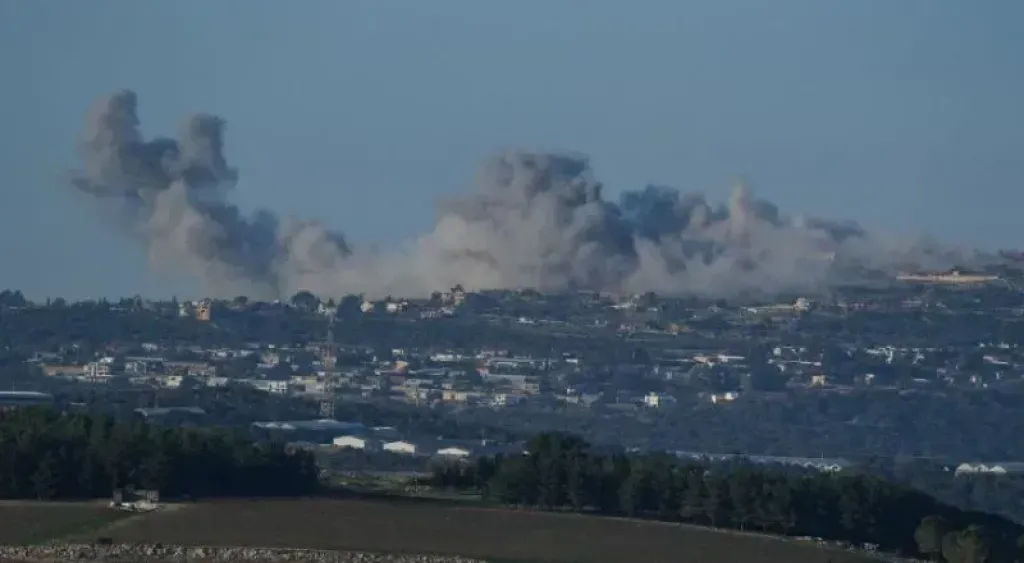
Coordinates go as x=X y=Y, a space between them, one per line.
x=173 y=554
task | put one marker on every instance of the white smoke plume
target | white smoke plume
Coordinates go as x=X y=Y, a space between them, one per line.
x=537 y=220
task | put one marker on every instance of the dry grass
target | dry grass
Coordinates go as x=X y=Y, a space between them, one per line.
x=37 y=522
x=404 y=526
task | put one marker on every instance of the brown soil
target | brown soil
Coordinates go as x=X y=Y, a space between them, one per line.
x=423 y=527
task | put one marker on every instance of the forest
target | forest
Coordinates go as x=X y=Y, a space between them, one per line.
x=45 y=454
x=563 y=472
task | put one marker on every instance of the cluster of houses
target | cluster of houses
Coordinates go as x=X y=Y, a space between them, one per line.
x=495 y=378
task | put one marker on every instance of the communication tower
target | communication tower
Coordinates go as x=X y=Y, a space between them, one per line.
x=329 y=357
x=328 y=353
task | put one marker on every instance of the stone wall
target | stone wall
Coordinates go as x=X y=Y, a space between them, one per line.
x=132 y=553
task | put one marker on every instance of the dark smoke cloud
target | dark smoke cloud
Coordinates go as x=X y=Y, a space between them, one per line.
x=536 y=220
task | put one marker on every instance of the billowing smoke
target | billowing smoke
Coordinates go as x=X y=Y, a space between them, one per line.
x=537 y=220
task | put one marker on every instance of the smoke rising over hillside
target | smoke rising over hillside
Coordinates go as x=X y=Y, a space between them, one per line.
x=536 y=220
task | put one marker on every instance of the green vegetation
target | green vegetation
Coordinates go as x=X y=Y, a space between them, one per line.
x=45 y=454
x=560 y=472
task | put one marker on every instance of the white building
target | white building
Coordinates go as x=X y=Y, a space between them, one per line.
x=506 y=399
x=726 y=397
x=272 y=386
x=402 y=447
x=454 y=452
x=172 y=381
x=652 y=400
x=96 y=371
x=356 y=442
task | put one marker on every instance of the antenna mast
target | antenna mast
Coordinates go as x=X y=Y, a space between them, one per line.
x=329 y=358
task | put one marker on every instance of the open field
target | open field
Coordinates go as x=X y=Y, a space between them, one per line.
x=404 y=526
x=36 y=522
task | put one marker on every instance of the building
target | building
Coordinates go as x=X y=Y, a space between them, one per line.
x=131 y=499
x=55 y=370
x=727 y=397
x=658 y=400
x=467 y=449
x=356 y=442
x=402 y=447
x=276 y=386
x=457 y=452
x=96 y=371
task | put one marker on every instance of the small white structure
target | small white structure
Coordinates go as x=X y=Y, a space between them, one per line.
x=356 y=442
x=276 y=386
x=726 y=397
x=96 y=371
x=132 y=500
x=402 y=447
x=454 y=452
x=658 y=400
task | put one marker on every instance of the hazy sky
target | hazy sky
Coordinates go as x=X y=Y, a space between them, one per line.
x=907 y=115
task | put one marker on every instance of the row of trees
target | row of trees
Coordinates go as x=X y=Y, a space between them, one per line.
x=45 y=454
x=562 y=472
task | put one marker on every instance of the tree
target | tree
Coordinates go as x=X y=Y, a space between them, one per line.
x=976 y=544
x=305 y=300
x=970 y=545
x=350 y=306
x=764 y=377
x=12 y=299
x=46 y=477
x=929 y=536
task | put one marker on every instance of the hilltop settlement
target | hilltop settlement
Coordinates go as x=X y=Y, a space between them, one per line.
x=916 y=380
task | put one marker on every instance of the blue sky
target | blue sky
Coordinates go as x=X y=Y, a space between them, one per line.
x=907 y=116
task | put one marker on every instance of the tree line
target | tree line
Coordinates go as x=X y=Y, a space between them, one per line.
x=563 y=472
x=45 y=454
